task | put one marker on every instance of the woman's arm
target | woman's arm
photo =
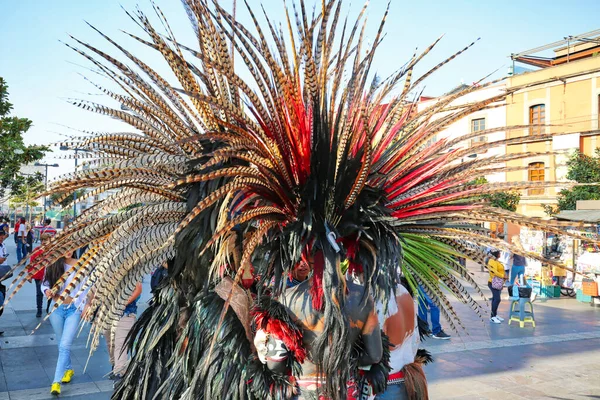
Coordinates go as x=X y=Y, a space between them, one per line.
x=136 y=293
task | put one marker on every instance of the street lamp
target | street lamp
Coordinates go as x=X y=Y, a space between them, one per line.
x=66 y=148
x=39 y=164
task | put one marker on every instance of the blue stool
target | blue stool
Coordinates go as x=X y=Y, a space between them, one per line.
x=518 y=312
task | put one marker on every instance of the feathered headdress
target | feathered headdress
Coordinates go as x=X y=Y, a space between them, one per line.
x=224 y=175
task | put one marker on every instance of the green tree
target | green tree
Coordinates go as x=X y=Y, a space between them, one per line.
x=13 y=151
x=582 y=169
x=505 y=200
x=66 y=201
x=27 y=194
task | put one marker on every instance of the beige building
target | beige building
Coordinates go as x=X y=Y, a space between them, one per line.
x=561 y=98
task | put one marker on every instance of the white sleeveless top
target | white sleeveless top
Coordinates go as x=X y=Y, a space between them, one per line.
x=404 y=353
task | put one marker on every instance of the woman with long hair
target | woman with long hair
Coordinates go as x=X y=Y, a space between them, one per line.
x=65 y=318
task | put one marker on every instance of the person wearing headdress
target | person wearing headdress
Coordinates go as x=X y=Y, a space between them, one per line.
x=262 y=148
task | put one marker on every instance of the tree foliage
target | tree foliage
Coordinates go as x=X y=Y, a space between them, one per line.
x=58 y=198
x=27 y=194
x=582 y=169
x=13 y=151
x=505 y=200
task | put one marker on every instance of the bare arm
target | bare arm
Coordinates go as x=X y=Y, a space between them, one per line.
x=136 y=293
x=400 y=325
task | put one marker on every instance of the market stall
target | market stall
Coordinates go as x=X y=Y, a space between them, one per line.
x=540 y=276
x=584 y=256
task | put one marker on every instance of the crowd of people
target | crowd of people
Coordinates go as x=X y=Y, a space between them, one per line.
x=65 y=318
x=403 y=332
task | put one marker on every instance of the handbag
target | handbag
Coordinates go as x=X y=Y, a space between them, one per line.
x=523 y=292
x=497 y=283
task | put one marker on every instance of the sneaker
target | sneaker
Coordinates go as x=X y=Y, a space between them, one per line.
x=495 y=320
x=116 y=381
x=441 y=335
x=38 y=314
x=116 y=377
x=500 y=318
x=55 y=389
x=67 y=376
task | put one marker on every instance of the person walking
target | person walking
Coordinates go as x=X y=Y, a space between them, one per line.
x=495 y=283
x=21 y=239
x=427 y=305
x=47 y=228
x=116 y=342
x=4 y=270
x=38 y=277
x=29 y=238
x=65 y=319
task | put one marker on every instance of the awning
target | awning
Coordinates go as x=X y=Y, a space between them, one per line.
x=591 y=216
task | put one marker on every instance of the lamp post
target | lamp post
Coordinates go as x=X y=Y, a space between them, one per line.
x=66 y=148
x=38 y=164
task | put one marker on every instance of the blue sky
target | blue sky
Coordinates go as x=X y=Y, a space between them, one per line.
x=42 y=73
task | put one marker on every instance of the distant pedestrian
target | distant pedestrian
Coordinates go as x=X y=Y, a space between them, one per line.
x=16 y=231
x=116 y=342
x=21 y=239
x=4 y=269
x=47 y=228
x=519 y=262
x=495 y=283
x=30 y=236
x=65 y=319
x=5 y=225
x=38 y=277
x=427 y=305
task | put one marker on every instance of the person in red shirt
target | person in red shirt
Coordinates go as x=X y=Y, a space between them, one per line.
x=38 y=277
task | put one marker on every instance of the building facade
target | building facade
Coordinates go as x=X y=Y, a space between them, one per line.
x=488 y=118
x=561 y=99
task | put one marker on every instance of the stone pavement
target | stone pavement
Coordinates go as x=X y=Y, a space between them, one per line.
x=559 y=359
x=27 y=361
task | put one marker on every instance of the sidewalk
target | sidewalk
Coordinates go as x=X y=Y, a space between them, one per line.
x=558 y=359
x=27 y=361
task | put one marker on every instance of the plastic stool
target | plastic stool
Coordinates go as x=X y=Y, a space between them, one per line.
x=521 y=316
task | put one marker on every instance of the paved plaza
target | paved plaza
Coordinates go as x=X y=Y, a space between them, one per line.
x=559 y=359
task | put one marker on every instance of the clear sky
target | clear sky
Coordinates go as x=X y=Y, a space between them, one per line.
x=42 y=73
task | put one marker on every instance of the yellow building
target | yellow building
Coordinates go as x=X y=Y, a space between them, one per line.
x=561 y=98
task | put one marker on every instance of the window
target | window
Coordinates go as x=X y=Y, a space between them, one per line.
x=536 y=174
x=537 y=116
x=477 y=125
x=599 y=111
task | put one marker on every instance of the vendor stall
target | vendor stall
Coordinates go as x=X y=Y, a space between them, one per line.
x=584 y=256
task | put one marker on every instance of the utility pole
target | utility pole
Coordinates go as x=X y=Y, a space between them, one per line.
x=38 y=164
